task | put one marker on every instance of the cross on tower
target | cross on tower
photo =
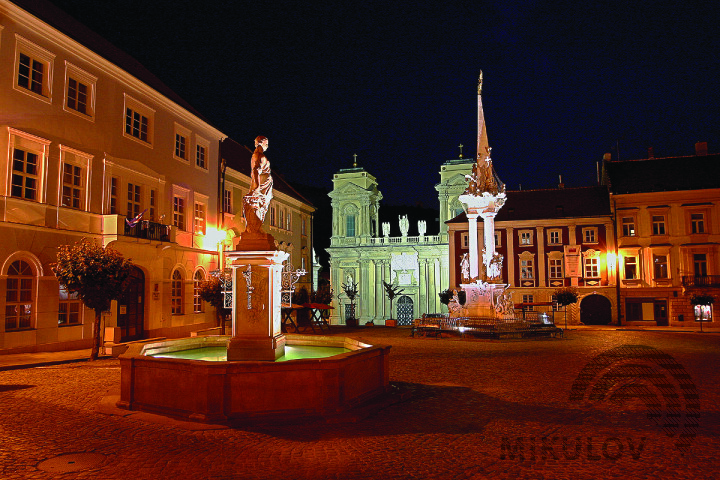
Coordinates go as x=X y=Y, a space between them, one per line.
x=461 y=147
x=355 y=160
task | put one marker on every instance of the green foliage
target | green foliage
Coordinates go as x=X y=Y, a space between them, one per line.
x=301 y=296
x=566 y=296
x=445 y=296
x=351 y=290
x=95 y=273
x=702 y=299
x=211 y=292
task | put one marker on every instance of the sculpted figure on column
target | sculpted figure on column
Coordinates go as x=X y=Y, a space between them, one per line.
x=257 y=200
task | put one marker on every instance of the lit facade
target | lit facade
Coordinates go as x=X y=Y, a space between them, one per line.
x=90 y=138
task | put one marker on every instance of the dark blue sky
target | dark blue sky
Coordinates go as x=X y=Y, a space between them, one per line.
x=395 y=82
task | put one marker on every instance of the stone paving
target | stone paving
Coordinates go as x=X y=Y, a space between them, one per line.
x=479 y=409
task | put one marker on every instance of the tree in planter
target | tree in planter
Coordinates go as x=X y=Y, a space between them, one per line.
x=96 y=274
x=447 y=296
x=351 y=291
x=702 y=299
x=392 y=291
x=211 y=292
x=566 y=296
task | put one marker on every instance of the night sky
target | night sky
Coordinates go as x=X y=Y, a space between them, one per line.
x=395 y=82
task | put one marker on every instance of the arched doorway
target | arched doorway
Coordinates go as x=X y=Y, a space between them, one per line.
x=405 y=310
x=131 y=307
x=595 y=310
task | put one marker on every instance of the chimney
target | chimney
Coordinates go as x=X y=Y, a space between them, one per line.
x=701 y=149
x=651 y=153
x=561 y=184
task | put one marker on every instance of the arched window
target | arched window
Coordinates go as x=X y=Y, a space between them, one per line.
x=177 y=293
x=197 y=282
x=18 y=297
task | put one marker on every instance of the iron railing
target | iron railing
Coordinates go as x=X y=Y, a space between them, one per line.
x=690 y=281
x=149 y=230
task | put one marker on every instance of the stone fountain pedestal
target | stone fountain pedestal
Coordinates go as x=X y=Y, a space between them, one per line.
x=256 y=320
x=485 y=300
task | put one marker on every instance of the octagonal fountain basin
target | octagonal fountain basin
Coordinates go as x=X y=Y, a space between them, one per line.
x=319 y=376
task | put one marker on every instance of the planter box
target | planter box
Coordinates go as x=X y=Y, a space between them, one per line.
x=391 y=322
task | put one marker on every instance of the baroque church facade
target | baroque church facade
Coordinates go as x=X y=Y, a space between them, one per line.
x=363 y=252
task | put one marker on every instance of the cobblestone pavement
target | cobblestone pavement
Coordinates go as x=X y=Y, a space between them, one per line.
x=479 y=409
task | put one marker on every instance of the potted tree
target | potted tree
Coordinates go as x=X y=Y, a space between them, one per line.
x=211 y=292
x=96 y=274
x=704 y=300
x=566 y=296
x=391 y=291
x=351 y=291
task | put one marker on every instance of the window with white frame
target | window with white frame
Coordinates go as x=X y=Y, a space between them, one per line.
x=198 y=279
x=658 y=224
x=590 y=235
x=628 y=226
x=592 y=267
x=464 y=240
x=138 y=121
x=70 y=308
x=179 y=211
x=631 y=267
x=554 y=237
x=272 y=215
x=34 y=68
x=555 y=269
x=288 y=221
x=527 y=269
x=227 y=202
x=660 y=266
x=199 y=224
x=153 y=205
x=176 y=293
x=202 y=148
x=180 y=146
x=73 y=186
x=526 y=237
x=25 y=178
x=79 y=91
x=19 y=296
x=181 y=202
x=133 y=200
x=114 y=188
x=697 y=222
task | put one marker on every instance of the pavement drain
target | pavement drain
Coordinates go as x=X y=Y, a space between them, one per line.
x=71 y=462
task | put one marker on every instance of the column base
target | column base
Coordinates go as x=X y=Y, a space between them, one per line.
x=266 y=349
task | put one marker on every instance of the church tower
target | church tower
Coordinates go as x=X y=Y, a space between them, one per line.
x=452 y=185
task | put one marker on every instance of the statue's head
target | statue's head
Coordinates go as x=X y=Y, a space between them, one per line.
x=262 y=141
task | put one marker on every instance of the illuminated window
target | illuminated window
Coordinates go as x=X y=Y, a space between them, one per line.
x=70 y=309
x=200 y=156
x=660 y=266
x=703 y=313
x=176 y=288
x=556 y=270
x=697 y=223
x=527 y=270
x=628 y=226
x=658 y=224
x=592 y=267
x=138 y=121
x=34 y=69
x=197 y=284
x=133 y=200
x=73 y=189
x=227 y=203
x=590 y=235
x=526 y=237
x=631 y=268
x=179 y=212
x=24 y=175
x=199 y=218
x=18 y=296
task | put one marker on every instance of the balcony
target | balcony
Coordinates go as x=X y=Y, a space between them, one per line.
x=701 y=281
x=149 y=230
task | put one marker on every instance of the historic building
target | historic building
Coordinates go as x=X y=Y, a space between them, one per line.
x=97 y=147
x=667 y=213
x=289 y=219
x=549 y=239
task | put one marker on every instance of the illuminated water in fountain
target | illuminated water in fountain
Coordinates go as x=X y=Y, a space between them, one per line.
x=219 y=353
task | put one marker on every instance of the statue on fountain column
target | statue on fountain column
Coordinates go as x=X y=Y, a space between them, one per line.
x=257 y=200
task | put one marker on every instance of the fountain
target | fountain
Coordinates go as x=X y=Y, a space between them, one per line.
x=258 y=373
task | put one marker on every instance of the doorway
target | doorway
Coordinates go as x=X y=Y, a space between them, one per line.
x=595 y=310
x=131 y=307
x=405 y=310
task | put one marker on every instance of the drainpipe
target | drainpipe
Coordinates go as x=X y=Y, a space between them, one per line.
x=617 y=265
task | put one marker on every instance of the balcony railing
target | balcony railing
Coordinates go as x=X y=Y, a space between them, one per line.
x=148 y=230
x=690 y=281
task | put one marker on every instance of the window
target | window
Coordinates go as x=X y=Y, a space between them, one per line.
x=79 y=92
x=556 y=270
x=199 y=218
x=592 y=268
x=227 y=203
x=288 y=221
x=180 y=146
x=18 y=296
x=153 y=204
x=631 y=268
x=138 y=121
x=628 y=226
x=272 y=216
x=526 y=269
x=498 y=238
x=703 y=313
x=114 y=185
x=176 y=288
x=529 y=299
x=179 y=212
x=589 y=235
x=554 y=237
x=133 y=200
x=349 y=225
x=303 y=225
x=200 y=156
x=282 y=218
x=697 y=223
x=303 y=263
x=25 y=175
x=73 y=191
x=660 y=265
x=658 y=224
x=34 y=69
x=526 y=237
x=197 y=284
x=464 y=240
x=700 y=264
x=70 y=311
